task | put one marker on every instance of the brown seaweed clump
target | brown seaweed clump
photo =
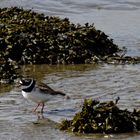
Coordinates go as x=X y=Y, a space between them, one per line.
x=27 y=37
x=8 y=70
x=30 y=37
x=8 y=73
x=102 y=117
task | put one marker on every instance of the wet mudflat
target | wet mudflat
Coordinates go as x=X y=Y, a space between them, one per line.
x=120 y=20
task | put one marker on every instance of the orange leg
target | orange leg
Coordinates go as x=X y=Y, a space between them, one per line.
x=34 y=110
x=42 y=104
x=42 y=107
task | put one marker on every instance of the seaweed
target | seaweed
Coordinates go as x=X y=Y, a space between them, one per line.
x=29 y=37
x=102 y=117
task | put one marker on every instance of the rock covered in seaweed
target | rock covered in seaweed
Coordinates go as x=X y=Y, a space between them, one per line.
x=8 y=70
x=102 y=117
x=30 y=37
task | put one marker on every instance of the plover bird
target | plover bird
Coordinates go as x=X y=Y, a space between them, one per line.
x=38 y=93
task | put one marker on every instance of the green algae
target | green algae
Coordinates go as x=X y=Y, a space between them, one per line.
x=30 y=37
x=27 y=37
x=102 y=117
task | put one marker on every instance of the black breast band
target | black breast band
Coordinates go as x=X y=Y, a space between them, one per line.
x=30 y=88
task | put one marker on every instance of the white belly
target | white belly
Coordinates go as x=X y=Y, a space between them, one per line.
x=36 y=96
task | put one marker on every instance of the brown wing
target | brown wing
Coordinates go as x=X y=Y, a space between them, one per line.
x=45 y=88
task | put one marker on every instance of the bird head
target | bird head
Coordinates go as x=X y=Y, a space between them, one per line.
x=25 y=82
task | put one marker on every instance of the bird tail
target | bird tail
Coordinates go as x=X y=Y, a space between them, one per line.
x=63 y=94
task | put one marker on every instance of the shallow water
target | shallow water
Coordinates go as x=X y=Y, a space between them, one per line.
x=121 y=21
x=103 y=82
